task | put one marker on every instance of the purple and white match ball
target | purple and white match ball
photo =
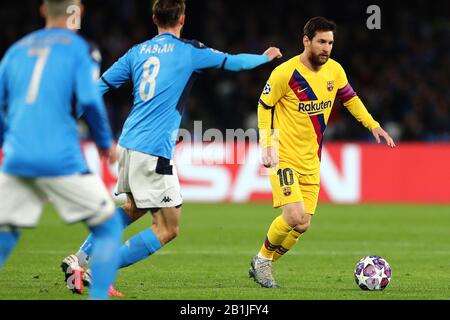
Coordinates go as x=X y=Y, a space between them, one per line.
x=373 y=273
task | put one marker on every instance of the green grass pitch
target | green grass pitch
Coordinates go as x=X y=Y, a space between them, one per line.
x=210 y=258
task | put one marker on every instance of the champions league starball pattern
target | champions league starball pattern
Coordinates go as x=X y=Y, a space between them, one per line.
x=373 y=273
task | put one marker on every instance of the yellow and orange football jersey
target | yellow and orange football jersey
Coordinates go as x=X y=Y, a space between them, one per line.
x=297 y=102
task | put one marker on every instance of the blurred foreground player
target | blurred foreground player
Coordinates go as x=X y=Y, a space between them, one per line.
x=293 y=112
x=162 y=70
x=46 y=80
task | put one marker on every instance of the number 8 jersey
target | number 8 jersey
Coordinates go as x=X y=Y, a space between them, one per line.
x=162 y=70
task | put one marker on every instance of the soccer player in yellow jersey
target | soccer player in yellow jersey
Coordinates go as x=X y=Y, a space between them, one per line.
x=293 y=113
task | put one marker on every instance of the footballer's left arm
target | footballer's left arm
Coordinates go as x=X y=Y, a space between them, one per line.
x=207 y=58
x=245 y=61
x=360 y=113
x=353 y=103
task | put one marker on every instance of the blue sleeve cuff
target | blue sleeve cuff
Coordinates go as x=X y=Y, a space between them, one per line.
x=244 y=61
x=104 y=86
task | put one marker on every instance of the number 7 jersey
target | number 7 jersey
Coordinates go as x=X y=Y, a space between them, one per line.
x=163 y=70
x=47 y=79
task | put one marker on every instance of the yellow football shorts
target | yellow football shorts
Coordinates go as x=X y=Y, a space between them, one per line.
x=289 y=186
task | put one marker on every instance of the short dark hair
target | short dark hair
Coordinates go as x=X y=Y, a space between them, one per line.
x=167 y=12
x=58 y=8
x=318 y=24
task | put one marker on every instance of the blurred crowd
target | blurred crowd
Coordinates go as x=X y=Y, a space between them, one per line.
x=401 y=72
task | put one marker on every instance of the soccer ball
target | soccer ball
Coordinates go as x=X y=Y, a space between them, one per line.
x=372 y=273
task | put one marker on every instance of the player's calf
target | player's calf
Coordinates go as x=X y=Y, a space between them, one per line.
x=165 y=228
x=303 y=221
x=139 y=247
x=166 y=224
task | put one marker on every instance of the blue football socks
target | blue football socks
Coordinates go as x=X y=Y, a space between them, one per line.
x=138 y=248
x=86 y=249
x=107 y=239
x=8 y=241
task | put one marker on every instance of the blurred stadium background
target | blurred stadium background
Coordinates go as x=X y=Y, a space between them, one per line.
x=401 y=72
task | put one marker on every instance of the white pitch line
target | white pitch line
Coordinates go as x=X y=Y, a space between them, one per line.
x=249 y=253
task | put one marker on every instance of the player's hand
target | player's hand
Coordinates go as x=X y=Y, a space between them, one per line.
x=273 y=53
x=113 y=154
x=269 y=157
x=110 y=155
x=379 y=133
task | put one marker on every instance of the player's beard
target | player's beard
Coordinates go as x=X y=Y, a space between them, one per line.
x=319 y=59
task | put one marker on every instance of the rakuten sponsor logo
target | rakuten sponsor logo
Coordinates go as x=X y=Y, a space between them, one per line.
x=314 y=107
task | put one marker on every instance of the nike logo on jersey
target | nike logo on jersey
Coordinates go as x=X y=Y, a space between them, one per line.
x=300 y=91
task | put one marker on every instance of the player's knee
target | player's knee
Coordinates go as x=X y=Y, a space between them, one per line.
x=294 y=215
x=167 y=234
x=173 y=233
x=303 y=227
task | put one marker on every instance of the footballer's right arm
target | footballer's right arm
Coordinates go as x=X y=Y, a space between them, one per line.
x=274 y=90
x=269 y=155
x=117 y=75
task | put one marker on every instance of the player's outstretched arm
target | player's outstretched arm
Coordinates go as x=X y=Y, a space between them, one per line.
x=244 y=61
x=207 y=58
x=379 y=133
x=273 y=53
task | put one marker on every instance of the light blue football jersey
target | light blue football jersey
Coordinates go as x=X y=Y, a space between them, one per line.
x=163 y=70
x=46 y=80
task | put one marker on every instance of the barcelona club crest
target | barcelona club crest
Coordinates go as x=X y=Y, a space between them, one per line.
x=330 y=85
x=287 y=192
